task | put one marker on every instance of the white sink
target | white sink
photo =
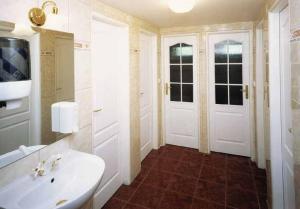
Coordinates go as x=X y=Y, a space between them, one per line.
x=69 y=186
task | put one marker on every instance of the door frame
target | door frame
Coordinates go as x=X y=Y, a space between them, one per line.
x=251 y=91
x=154 y=87
x=162 y=81
x=124 y=86
x=260 y=92
x=275 y=103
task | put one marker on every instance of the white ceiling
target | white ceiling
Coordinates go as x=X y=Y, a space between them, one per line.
x=205 y=11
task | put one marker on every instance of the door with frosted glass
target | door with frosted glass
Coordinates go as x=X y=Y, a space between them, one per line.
x=229 y=93
x=181 y=89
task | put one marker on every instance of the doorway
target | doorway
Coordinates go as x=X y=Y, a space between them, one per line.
x=229 y=118
x=111 y=118
x=181 y=91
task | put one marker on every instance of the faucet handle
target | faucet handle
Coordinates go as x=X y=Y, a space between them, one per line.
x=55 y=161
x=40 y=169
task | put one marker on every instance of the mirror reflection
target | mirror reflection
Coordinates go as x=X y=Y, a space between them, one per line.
x=36 y=72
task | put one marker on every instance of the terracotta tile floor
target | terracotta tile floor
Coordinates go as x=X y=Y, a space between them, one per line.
x=182 y=178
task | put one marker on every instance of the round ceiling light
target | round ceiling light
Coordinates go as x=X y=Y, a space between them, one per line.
x=181 y=6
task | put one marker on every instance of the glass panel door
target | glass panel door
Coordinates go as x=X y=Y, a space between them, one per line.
x=229 y=73
x=181 y=73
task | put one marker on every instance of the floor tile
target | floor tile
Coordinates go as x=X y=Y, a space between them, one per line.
x=149 y=161
x=125 y=192
x=261 y=185
x=183 y=184
x=213 y=174
x=166 y=164
x=155 y=153
x=114 y=204
x=192 y=180
x=202 y=204
x=258 y=171
x=193 y=157
x=263 y=202
x=188 y=169
x=172 y=153
x=242 y=199
x=147 y=196
x=132 y=206
x=215 y=160
x=158 y=178
x=240 y=159
x=240 y=181
x=210 y=191
x=172 y=200
x=240 y=166
x=143 y=174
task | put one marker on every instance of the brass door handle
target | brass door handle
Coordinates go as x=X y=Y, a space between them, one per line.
x=167 y=88
x=98 y=110
x=246 y=91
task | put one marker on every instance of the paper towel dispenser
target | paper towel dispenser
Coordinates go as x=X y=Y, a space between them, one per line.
x=15 y=72
x=64 y=117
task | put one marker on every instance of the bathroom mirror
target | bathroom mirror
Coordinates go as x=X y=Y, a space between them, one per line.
x=36 y=71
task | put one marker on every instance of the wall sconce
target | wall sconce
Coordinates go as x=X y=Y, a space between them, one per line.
x=37 y=16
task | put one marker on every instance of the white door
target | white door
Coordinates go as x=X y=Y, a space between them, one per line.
x=106 y=115
x=229 y=93
x=287 y=137
x=181 y=91
x=146 y=94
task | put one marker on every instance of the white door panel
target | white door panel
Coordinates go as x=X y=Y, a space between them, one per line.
x=229 y=93
x=146 y=94
x=107 y=152
x=145 y=129
x=287 y=137
x=104 y=134
x=184 y=127
x=181 y=89
x=106 y=47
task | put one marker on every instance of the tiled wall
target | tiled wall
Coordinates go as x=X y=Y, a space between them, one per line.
x=201 y=32
x=75 y=17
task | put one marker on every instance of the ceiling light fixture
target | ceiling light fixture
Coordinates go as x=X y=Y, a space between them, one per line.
x=181 y=6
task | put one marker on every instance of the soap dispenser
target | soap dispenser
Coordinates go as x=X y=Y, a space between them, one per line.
x=15 y=78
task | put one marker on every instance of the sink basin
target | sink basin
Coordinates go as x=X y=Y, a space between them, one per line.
x=69 y=186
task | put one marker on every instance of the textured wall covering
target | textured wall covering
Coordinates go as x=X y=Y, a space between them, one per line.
x=201 y=32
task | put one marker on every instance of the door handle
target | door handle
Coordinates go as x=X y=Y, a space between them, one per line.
x=246 y=91
x=167 y=88
x=98 y=110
